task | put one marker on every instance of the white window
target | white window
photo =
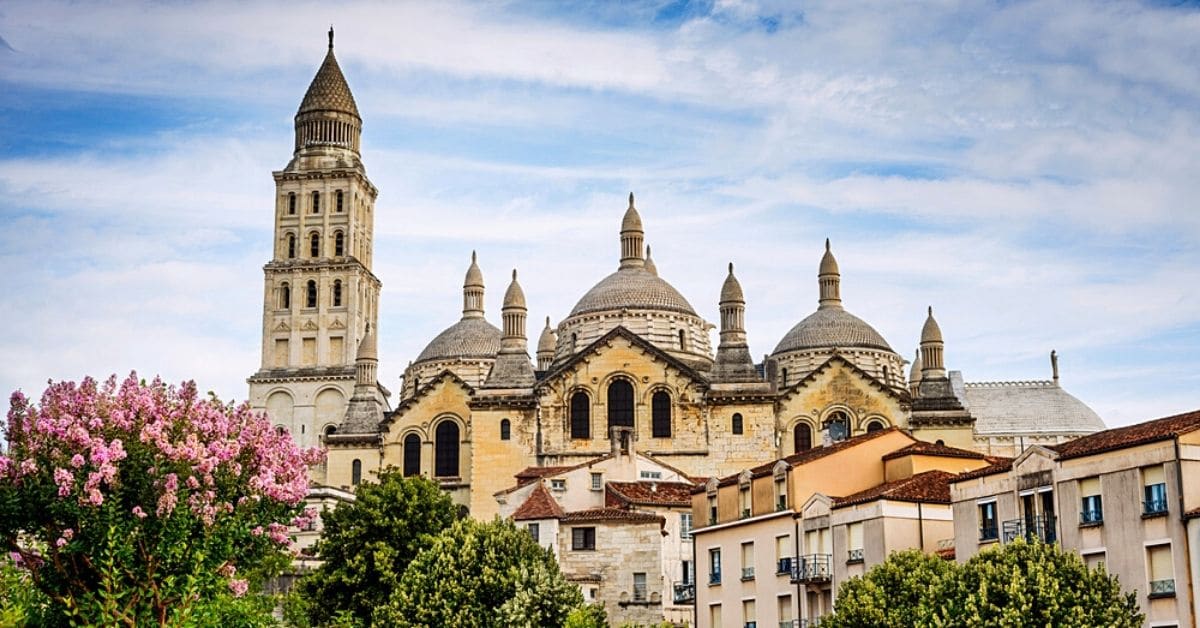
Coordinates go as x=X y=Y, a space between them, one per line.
x=748 y=614
x=651 y=475
x=1091 y=507
x=1155 y=491
x=1161 y=571
x=534 y=531
x=639 y=587
x=854 y=542
x=714 y=615
x=558 y=485
x=685 y=525
x=748 y=561
x=744 y=500
x=785 y=609
x=597 y=481
x=783 y=554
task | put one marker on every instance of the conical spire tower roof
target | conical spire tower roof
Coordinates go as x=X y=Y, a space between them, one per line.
x=329 y=90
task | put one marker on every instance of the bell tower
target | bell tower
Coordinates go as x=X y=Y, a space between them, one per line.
x=319 y=294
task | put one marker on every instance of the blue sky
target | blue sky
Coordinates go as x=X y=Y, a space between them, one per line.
x=1027 y=168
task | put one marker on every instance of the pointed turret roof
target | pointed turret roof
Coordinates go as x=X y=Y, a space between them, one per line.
x=649 y=266
x=547 y=341
x=632 y=221
x=367 y=347
x=731 y=290
x=931 y=332
x=514 y=296
x=829 y=265
x=329 y=90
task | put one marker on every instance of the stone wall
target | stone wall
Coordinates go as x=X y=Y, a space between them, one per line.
x=622 y=549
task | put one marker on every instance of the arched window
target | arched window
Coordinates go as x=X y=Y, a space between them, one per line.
x=356 y=472
x=620 y=405
x=839 y=426
x=314 y=245
x=329 y=430
x=574 y=340
x=682 y=340
x=337 y=293
x=285 y=296
x=886 y=377
x=737 y=425
x=412 y=455
x=874 y=426
x=660 y=415
x=316 y=202
x=310 y=299
x=505 y=429
x=785 y=382
x=338 y=196
x=802 y=437
x=581 y=415
x=339 y=244
x=281 y=430
x=446 y=450
x=292 y=203
x=291 y=246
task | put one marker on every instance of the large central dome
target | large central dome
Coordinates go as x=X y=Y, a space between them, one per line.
x=635 y=289
x=831 y=328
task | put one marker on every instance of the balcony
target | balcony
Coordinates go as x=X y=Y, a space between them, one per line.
x=854 y=556
x=1092 y=517
x=1154 y=507
x=714 y=577
x=685 y=592
x=989 y=532
x=781 y=504
x=745 y=513
x=1039 y=528
x=1162 y=588
x=784 y=566
x=812 y=569
x=747 y=573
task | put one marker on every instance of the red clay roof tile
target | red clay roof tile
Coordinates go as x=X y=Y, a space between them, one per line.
x=651 y=493
x=540 y=505
x=611 y=514
x=923 y=448
x=1121 y=437
x=930 y=487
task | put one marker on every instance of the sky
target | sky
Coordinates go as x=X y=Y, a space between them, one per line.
x=1029 y=169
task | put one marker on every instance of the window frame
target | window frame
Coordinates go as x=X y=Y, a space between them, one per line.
x=583 y=538
x=737 y=424
x=581 y=415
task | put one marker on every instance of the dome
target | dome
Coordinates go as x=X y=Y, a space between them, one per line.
x=632 y=221
x=547 y=341
x=474 y=276
x=931 y=332
x=367 y=349
x=514 y=296
x=632 y=288
x=1028 y=408
x=914 y=375
x=829 y=265
x=831 y=327
x=731 y=290
x=468 y=338
x=329 y=90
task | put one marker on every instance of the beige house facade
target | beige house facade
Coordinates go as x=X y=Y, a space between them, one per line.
x=1127 y=498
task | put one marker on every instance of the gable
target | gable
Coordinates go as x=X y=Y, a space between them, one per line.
x=622 y=351
x=839 y=383
x=444 y=395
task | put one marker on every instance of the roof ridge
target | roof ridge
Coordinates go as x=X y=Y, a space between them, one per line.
x=1014 y=382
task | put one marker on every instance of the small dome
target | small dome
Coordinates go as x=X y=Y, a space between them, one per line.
x=367 y=349
x=468 y=338
x=632 y=220
x=649 y=265
x=632 y=288
x=829 y=328
x=474 y=278
x=914 y=374
x=329 y=90
x=829 y=265
x=731 y=291
x=547 y=341
x=931 y=332
x=514 y=296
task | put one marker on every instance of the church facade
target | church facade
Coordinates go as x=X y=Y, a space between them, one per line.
x=630 y=369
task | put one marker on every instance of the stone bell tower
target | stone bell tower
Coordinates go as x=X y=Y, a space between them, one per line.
x=319 y=294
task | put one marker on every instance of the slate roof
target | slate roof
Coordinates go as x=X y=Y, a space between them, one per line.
x=651 y=493
x=611 y=514
x=1119 y=438
x=1026 y=408
x=468 y=338
x=540 y=505
x=329 y=90
x=930 y=487
x=922 y=448
x=828 y=328
x=632 y=288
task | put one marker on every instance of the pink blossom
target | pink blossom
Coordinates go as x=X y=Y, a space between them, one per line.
x=238 y=587
x=138 y=512
x=60 y=542
x=65 y=481
x=68 y=534
x=77 y=461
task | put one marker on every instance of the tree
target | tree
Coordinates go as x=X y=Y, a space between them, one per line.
x=143 y=503
x=482 y=574
x=366 y=545
x=893 y=593
x=1033 y=584
x=587 y=616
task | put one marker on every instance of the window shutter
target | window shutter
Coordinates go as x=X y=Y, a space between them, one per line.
x=1160 y=563
x=856 y=538
x=1089 y=487
x=1153 y=475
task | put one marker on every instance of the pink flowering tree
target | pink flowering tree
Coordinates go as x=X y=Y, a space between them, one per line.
x=138 y=503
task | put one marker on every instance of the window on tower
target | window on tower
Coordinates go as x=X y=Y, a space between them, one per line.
x=620 y=405
x=412 y=455
x=291 y=203
x=338 y=200
x=311 y=298
x=291 y=246
x=337 y=293
x=285 y=296
x=314 y=245
x=580 y=416
x=339 y=244
x=737 y=425
x=660 y=415
x=316 y=202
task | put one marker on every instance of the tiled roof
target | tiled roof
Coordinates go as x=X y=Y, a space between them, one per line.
x=635 y=289
x=652 y=493
x=930 y=487
x=468 y=338
x=1192 y=514
x=998 y=465
x=831 y=327
x=328 y=90
x=540 y=505
x=611 y=514
x=530 y=474
x=1129 y=436
x=947 y=553
x=810 y=455
x=923 y=448
x=1026 y=408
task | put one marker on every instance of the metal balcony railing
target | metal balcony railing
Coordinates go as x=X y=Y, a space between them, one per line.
x=685 y=592
x=854 y=556
x=989 y=532
x=812 y=569
x=784 y=566
x=1040 y=528
x=747 y=573
x=1091 y=517
x=1162 y=588
x=714 y=577
x=1154 y=507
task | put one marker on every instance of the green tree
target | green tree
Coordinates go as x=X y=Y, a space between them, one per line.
x=482 y=574
x=366 y=545
x=1033 y=584
x=894 y=593
x=587 y=616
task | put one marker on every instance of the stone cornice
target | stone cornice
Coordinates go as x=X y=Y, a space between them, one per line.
x=327 y=173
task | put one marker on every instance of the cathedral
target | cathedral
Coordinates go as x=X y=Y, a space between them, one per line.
x=631 y=368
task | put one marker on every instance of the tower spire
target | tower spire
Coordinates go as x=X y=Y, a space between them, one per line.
x=512 y=368
x=830 y=280
x=932 y=346
x=631 y=238
x=473 y=290
x=733 y=363
x=331 y=36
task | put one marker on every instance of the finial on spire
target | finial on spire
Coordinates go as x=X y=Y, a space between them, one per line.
x=547 y=321
x=514 y=274
x=730 y=268
x=331 y=36
x=931 y=310
x=826 y=244
x=631 y=199
x=473 y=256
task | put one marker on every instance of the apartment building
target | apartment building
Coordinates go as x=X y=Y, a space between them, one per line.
x=780 y=537
x=1127 y=498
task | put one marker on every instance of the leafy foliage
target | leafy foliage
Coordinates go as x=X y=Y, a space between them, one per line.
x=893 y=593
x=367 y=544
x=139 y=503
x=482 y=574
x=587 y=616
x=1018 y=584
